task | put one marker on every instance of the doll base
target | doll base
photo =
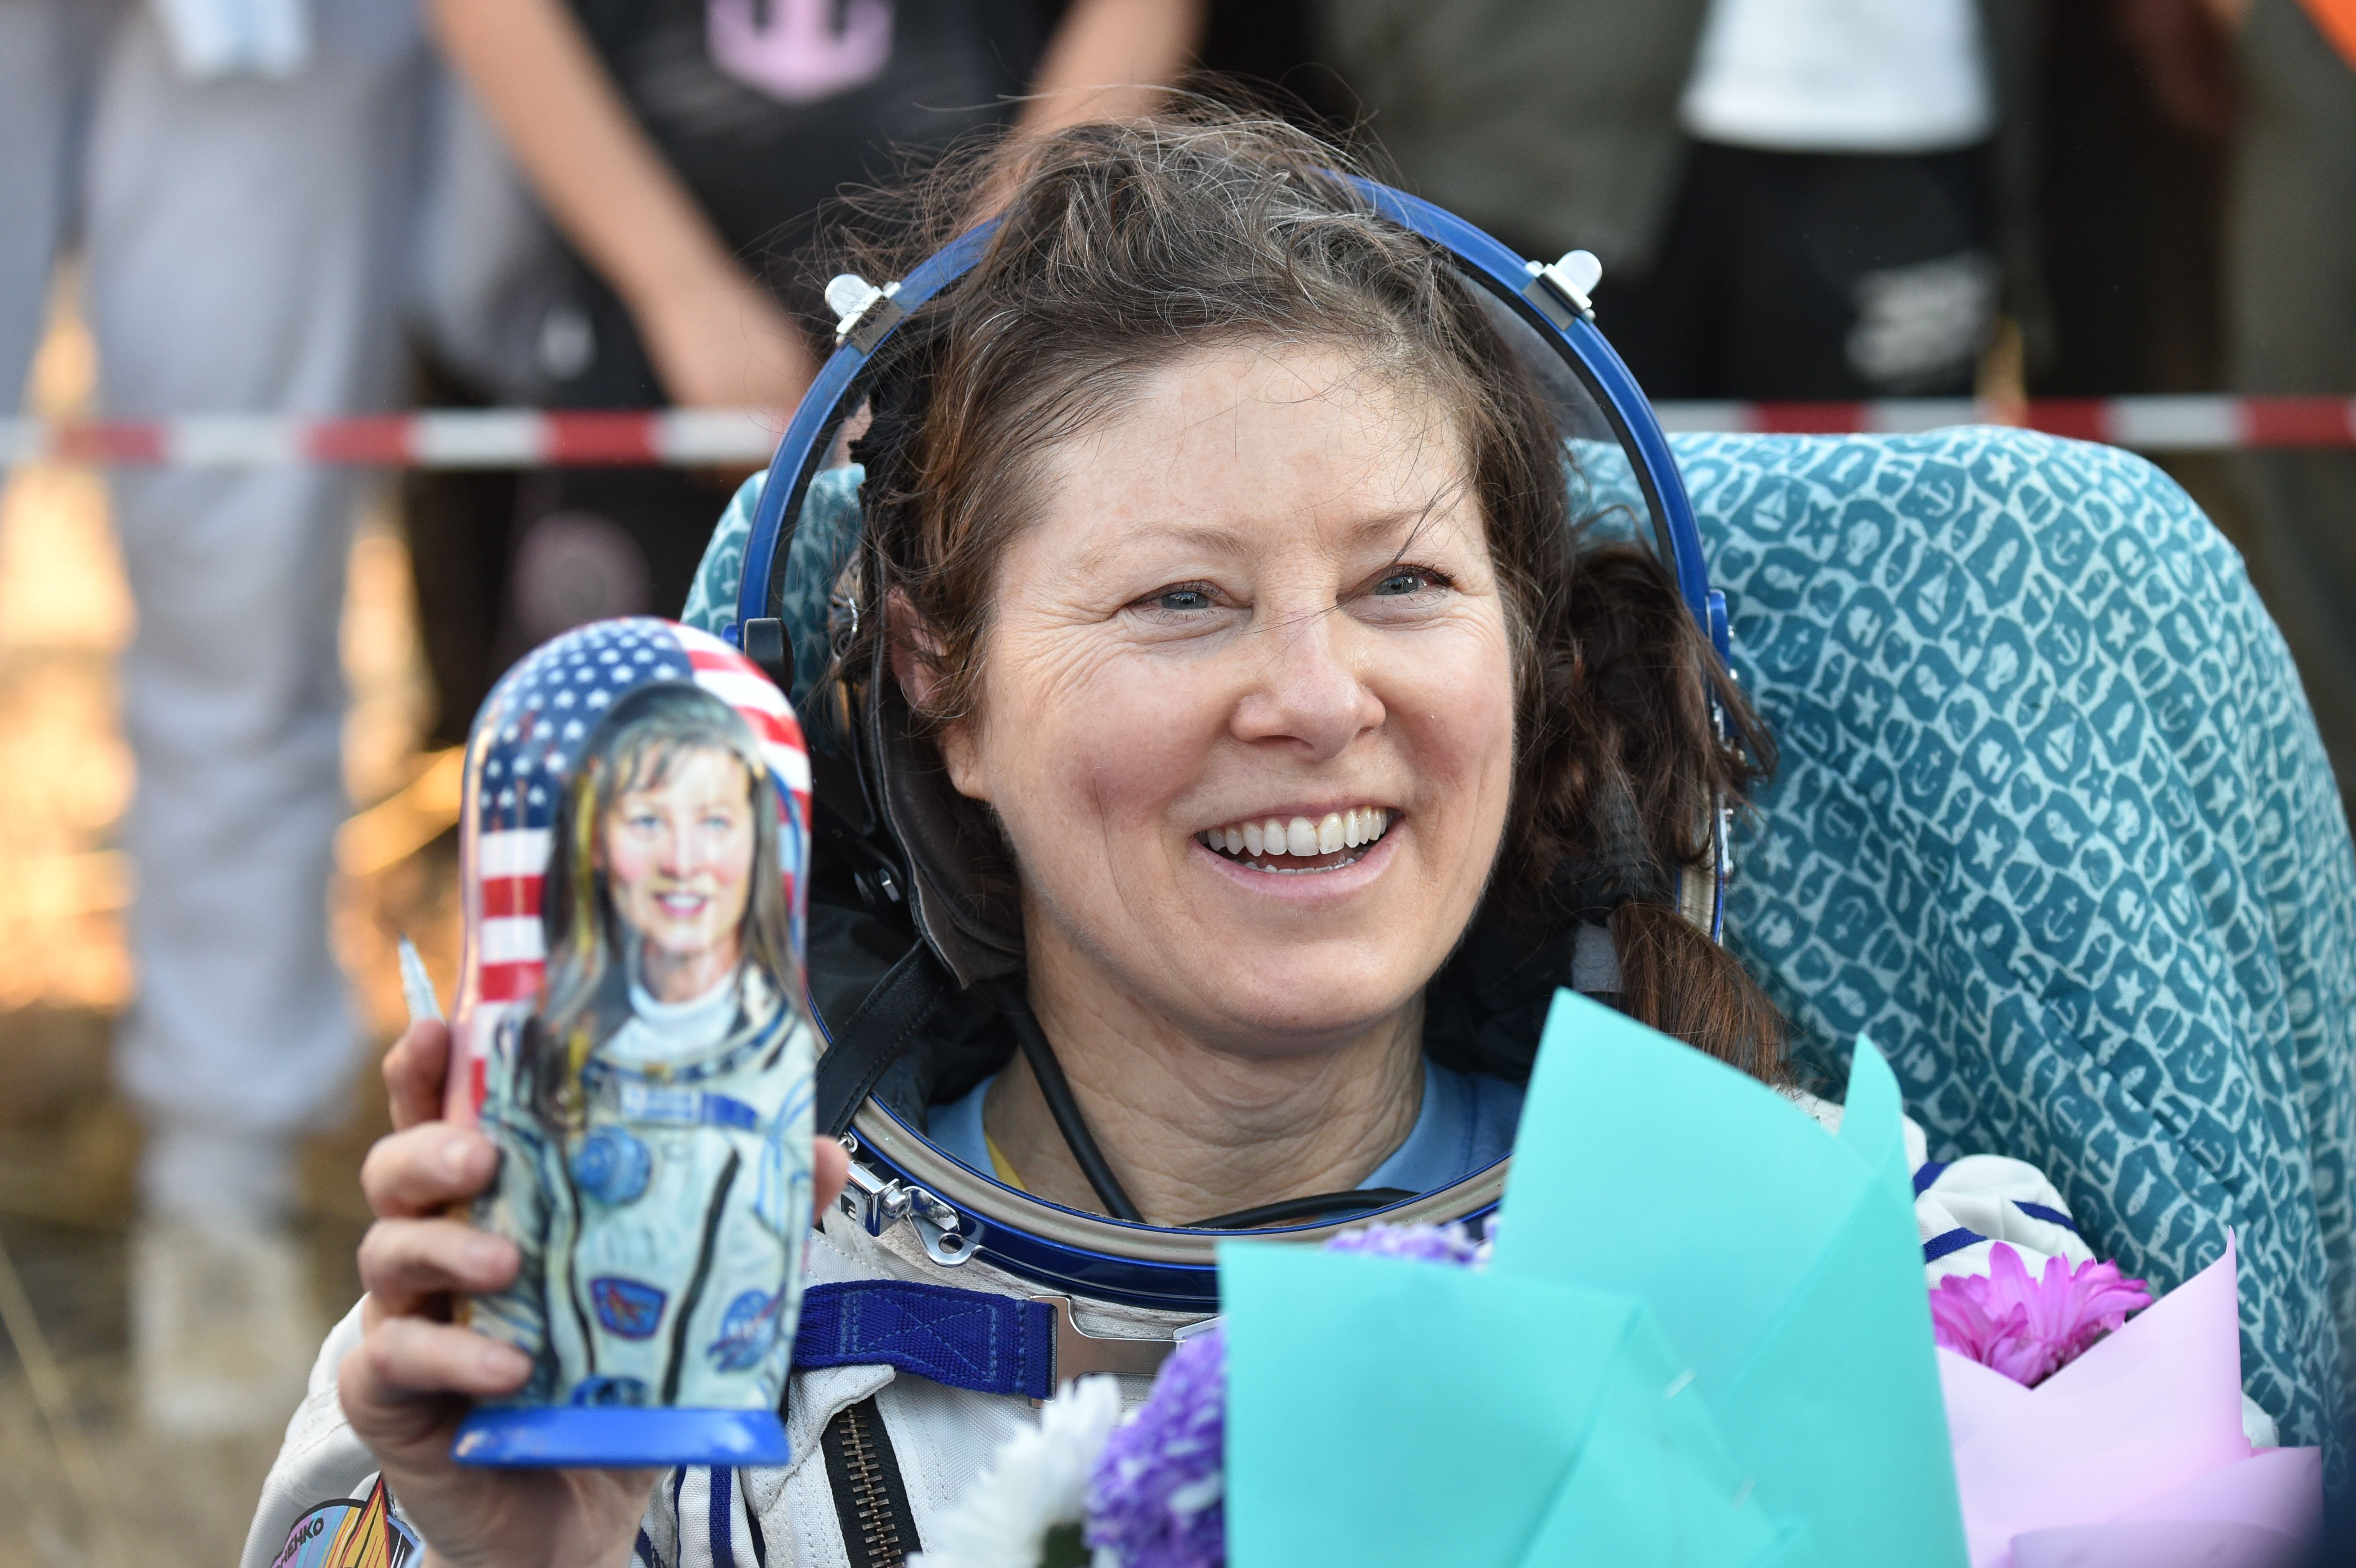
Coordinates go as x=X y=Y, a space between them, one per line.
x=609 y=1436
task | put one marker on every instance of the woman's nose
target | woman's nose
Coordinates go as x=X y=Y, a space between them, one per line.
x=1310 y=688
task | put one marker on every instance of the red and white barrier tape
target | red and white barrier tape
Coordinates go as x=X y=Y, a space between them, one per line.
x=527 y=438
x=452 y=438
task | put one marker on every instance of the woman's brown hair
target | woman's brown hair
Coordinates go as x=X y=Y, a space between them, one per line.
x=1121 y=248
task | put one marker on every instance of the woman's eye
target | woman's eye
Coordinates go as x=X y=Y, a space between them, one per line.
x=1404 y=580
x=1180 y=600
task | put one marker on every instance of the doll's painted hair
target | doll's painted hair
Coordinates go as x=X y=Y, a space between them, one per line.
x=586 y=993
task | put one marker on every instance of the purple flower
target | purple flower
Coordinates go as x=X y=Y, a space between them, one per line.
x=1428 y=1244
x=2031 y=1328
x=1158 y=1498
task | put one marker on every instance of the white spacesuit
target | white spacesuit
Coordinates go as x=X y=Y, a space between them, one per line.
x=655 y=1234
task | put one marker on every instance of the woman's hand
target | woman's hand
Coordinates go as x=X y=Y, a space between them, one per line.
x=408 y=1381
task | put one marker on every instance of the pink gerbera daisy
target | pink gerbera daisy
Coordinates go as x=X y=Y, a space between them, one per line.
x=2031 y=1328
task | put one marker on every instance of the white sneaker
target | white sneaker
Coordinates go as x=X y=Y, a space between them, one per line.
x=223 y=1328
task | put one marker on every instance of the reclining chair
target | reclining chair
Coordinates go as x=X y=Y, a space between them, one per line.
x=2054 y=828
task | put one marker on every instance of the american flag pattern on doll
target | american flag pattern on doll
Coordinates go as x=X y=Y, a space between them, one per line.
x=533 y=729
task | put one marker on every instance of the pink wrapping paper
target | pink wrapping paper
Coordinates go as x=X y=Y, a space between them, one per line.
x=2259 y=1513
x=2132 y=1454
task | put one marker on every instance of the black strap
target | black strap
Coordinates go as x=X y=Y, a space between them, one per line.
x=877 y=1033
x=1048 y=1073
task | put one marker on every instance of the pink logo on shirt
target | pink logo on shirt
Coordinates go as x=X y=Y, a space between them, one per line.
x=800 y=51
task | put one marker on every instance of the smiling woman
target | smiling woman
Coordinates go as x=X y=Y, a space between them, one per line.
x=1260 y=599
x=1238 y=718
x=1222 y=571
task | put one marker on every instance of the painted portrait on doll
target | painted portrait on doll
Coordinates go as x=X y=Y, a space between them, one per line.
x=652 y=1106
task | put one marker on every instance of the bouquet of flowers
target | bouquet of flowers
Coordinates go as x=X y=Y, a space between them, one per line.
x=1656 y=1356
x=2082 y=1444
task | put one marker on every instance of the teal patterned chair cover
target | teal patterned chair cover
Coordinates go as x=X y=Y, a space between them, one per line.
x=2052 y=826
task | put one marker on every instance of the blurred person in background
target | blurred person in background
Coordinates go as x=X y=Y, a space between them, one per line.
x=236 y=174
x=2291 y=270
x=1790 y=198
x=2136 y=109
x=682 y=149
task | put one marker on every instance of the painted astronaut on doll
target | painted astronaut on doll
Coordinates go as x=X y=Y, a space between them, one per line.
x=654 y=1107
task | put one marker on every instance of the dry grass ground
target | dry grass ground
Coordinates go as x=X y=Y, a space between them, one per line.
x=67 y=1143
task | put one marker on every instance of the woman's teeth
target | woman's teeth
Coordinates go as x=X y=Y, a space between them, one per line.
x=1276 y=837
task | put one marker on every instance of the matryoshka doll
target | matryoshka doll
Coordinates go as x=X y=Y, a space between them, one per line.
x=634 y=1035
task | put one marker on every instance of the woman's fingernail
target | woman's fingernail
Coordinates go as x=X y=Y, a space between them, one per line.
x=485 y=1254
x=500 y=1361
x=457 y=1156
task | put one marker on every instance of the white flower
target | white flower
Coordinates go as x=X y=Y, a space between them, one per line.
x=1037 y=1480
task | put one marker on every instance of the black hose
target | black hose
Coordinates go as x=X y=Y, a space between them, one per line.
x=1305 y=1208
x=1058 y=1091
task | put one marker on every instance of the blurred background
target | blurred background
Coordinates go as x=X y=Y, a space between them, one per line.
x=232 y=698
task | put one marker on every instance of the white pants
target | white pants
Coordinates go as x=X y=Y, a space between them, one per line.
x=246 y=243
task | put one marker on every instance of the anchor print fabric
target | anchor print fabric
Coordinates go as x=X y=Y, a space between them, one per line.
x=2054 y=828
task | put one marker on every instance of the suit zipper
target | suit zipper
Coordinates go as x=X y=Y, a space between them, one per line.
x=870 y=1500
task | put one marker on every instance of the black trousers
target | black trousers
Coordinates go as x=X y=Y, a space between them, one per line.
x=1801 y=275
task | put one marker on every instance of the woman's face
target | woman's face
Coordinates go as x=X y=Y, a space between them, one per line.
x=1247 y=711
x=678 y=857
